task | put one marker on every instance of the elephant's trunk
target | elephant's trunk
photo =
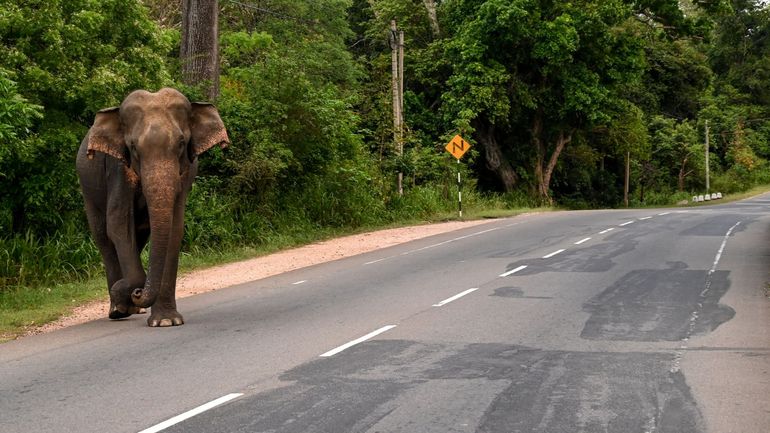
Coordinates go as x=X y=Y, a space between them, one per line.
x=160 y=186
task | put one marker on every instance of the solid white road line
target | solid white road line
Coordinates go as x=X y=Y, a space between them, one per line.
x=582 y=240
x=406 y=253
x=513 y=271
x=606 y=231
x=358 y=341
x=191 y=413
x=455 y=297
x=644 y=218
x=548 y=256
x=454 y=240
x=626 y=223
x=722 y=248
x=299 y=282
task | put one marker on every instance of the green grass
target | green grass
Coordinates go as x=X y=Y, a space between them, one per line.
x=22 y=308
x=672 y=199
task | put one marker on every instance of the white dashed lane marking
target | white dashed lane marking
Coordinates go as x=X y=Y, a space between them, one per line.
x=582 y=240
x=626 y=223
x=358 y=341
x=513 y=271
x=455 y=297
x=548 y=256
x=191 y=413
x=606 y=231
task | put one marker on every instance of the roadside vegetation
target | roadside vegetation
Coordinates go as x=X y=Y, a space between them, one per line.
x=555 y=97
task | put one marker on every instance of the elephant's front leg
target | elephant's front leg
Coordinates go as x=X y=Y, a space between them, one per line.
x=121 y=229
x=164 y=312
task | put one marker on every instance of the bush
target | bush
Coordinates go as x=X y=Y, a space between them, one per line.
x=665 y=197
x=30 y=260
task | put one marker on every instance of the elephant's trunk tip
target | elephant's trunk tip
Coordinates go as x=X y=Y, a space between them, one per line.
x=142 y=298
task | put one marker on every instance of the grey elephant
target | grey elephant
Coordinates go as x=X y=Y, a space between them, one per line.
x=136 y=166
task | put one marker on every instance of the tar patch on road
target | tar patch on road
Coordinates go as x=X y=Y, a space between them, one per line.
x=515 y=292
x=719 y=225
x=596 y=258
x=658 y=305
x=402 y=386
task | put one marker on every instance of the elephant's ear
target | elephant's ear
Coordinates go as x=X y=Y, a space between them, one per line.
x=106 y=135
x=207 y=129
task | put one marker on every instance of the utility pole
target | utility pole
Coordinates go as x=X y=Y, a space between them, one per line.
x=396 y=40
x=707 y=157
x=628 y=178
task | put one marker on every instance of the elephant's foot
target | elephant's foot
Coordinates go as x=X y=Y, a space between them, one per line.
x=122 y=311
x=120 y=301
x=118 y=311
x=163 y=318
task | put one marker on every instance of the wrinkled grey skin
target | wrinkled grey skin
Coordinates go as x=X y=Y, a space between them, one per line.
x=136 y=166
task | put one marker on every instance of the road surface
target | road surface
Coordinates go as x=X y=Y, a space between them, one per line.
x=593 y=321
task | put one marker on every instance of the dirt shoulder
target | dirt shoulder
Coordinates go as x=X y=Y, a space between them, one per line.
x=218 y=277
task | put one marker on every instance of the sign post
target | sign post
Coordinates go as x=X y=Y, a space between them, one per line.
x=457 y=147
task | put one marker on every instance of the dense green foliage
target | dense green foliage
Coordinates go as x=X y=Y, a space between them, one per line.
x=553 y=95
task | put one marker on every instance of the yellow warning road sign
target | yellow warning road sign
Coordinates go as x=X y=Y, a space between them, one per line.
x=457 y=147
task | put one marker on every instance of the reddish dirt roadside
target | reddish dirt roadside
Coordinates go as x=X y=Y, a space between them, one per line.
x=218 y=277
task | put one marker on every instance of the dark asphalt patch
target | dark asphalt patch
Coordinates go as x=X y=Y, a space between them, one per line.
x=403 y=386
x=658 y=305
x=719 y=225
x=558 y=391
x=515 y=292
x=596 y=258
x=518 y=250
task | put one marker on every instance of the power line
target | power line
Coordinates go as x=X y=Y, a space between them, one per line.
x=272 y=12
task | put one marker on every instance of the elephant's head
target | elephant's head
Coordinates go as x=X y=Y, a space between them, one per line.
x=158 y=137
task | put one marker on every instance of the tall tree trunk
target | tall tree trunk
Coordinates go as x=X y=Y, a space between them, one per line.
x=430 y=5
x=561 y=141
x=543 y=171
x=683 y=173
x=496 y=161
x=199 y=51
x=537 y=142
x=627 y=179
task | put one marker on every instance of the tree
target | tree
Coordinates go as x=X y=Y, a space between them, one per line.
x=288 y=86
x=738 y=102
x=538 y=72
x=677 y=149
x=17 y=116
x=199 y=51
x=69 y=58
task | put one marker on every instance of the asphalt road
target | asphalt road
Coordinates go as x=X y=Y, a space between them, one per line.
x=642 y=321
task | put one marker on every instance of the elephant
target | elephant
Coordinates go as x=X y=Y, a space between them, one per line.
x=136 y=167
